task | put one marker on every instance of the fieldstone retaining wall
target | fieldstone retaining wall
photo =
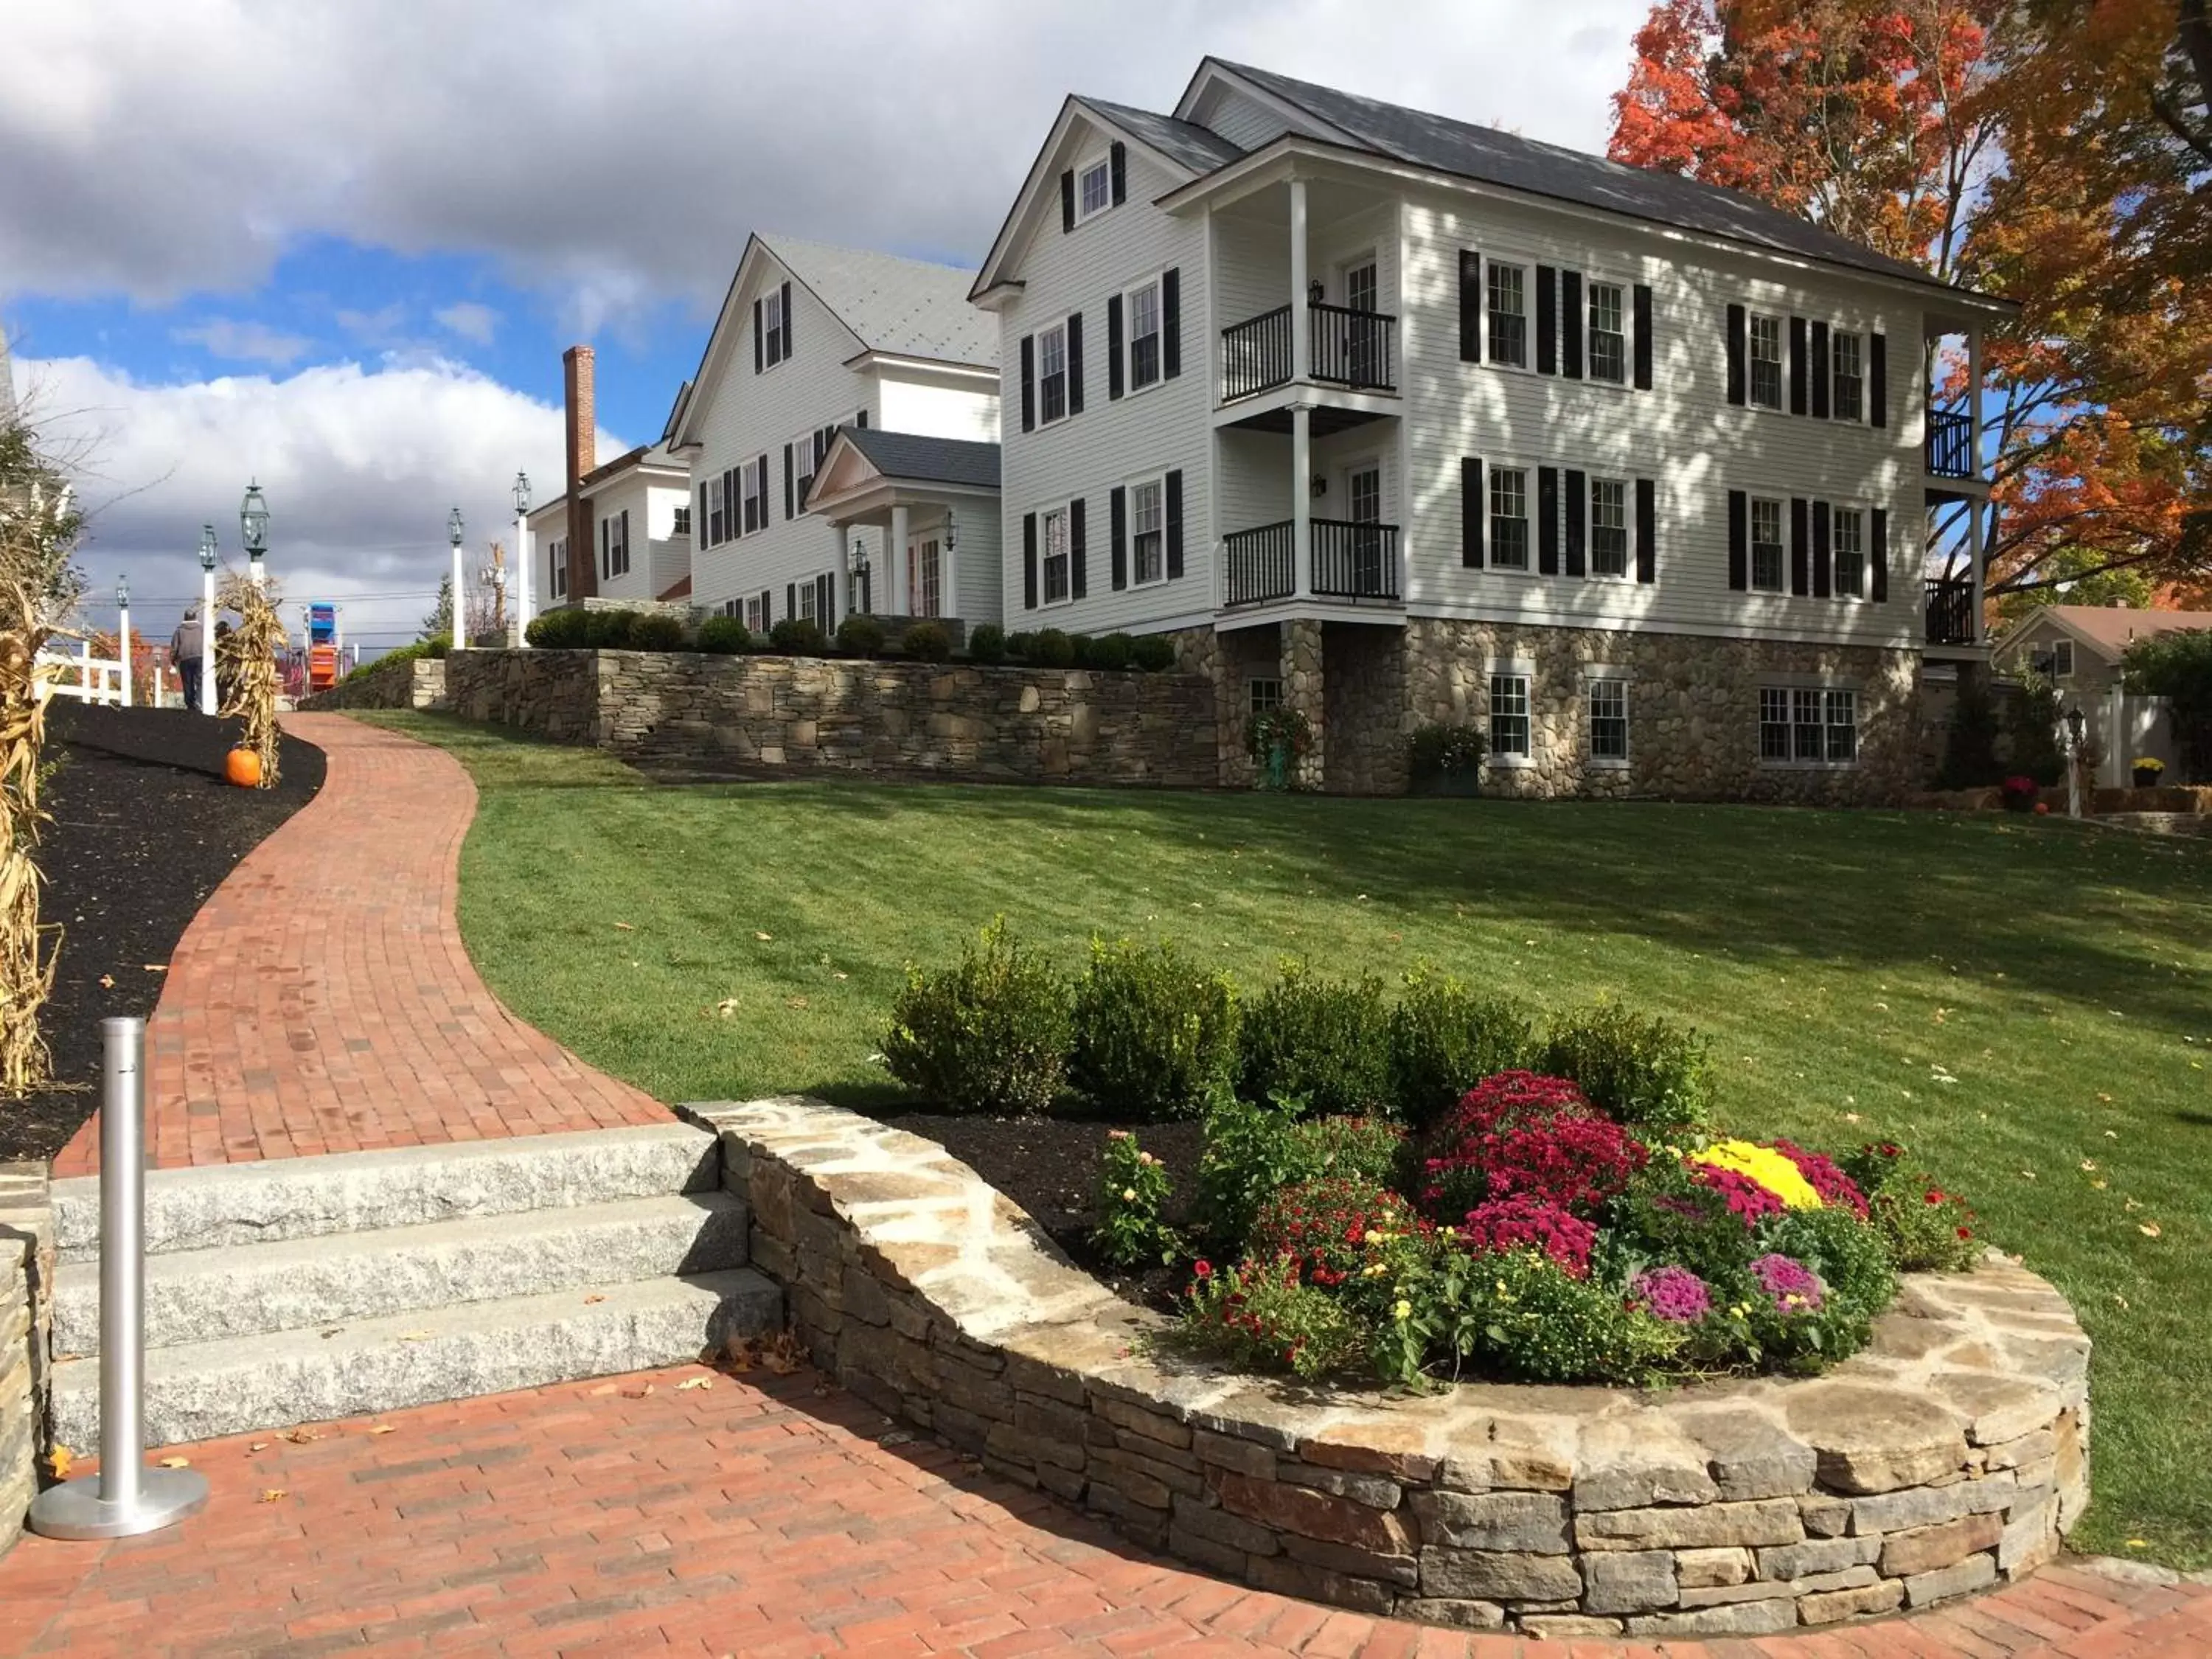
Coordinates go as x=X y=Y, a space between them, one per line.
x=949 y=719
x=414 y=683
x=1949 y=1456
x=26 y=1275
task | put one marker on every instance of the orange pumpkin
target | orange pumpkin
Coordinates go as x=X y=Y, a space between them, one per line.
x=243 y=767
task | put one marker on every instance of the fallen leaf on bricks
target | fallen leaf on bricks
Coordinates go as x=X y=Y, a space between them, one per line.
x=60 y=1461
x=258 y=1445
x=637 y=1393
x=382 y=1428
x=304 y=1437
x=602 y=1389
x=694 y=1383
x=415 y=1336
x=594 y=1296
x=270 y=1494
x=176 y=1463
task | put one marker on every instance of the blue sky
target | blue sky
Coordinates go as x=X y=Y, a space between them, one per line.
x=341 y=247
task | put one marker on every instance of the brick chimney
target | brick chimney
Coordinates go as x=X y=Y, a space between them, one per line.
x=582 y=428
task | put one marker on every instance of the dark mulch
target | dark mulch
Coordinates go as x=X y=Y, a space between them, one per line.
x=1049 y=1166
x=145 y=830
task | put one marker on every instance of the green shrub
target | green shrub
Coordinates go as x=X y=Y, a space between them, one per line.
x=1445 y=1038
x=988 y=1035
x=1522 y=1316
x=1110 y=651
x=1924 y=1228
x=1970 y=746
x=1260 y=1317
x=1152 y=653
x=558 y=630
x=419 y=649
x=1080 y=644
x=1325 y=1040
x=987 y=642
x=798 y=636
x=2178 y=666
x=1154 y=1034
x=1050 y=648
x=2030 y=728
x=1249 y=1153
x=724 y=636
x=1324 y=1224
x=1019 y=645
x=1133 y=1188
x=1435 y=752
x=656 y=630
x=1370 y=1148
x=1648 y=1073
x=437 y=648
x=927 y=642
x=861 y=636
x=609 y=630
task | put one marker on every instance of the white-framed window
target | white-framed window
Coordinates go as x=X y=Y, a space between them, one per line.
x=1766 y=361
x=1608 y=527
x=925 y=578
x=1094 y=188
x=1509 y=716
x=1052 y=375
x=809 y=591
x=753 y=483
x=1263 y=694
x=755 y=615
x=682 y=526
x=1608 y=718
x=716 y=524
x=1609 y=333
x=614 y=546
x=1140 y=311
x=1847 y=386
x=1053 y=549
x=1767 y=575
x=1808 y=726
x=1147 y=533
x=802 y=470
x=1509 y=518
x=1849 y=536
x=733 y=608
x=557 y=582
x=1507 y=290
x=776 y=336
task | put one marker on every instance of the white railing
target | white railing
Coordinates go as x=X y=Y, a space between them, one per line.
x=84 y=676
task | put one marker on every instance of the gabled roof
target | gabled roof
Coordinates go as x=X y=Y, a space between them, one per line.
x=2109 y=629
x=910 y=307
x=1199 y=149
x=927 y=460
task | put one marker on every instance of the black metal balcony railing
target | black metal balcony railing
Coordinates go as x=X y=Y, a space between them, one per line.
x=1255 y=354
x=1355 y=561
x=1950 y=609
x=1950 y=444
x=1258 y=565
x=1352 y=348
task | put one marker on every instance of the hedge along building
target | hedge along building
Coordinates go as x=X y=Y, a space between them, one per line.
x=1396 y=419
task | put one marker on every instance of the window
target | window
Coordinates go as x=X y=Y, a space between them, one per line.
x=1262 y=696
x=1144 y=311
x=1608 y=720
x=733 y=607
x=716 y=531
x=1849 y=386
x=1052 y=371
x=1608 y=527
x=802 y=470
x=1765 y=544
x=1850 y=552
x=557 y=580
x=809 y=592
x=755 y=615
x=614 y=546
x=1811 y=726
x=1766 y=361
x=1147 y=533
x=1056 y=589
x=753 y=477
x=1843 y=711
x=2061 y=659
x=925 y=580
x=1609 y=340
x=775 y=337
x=1773 y=723
x=1509 y=315
x=1508 y=715
x=1509 y=518
x=682 y=525
x=1093 y=189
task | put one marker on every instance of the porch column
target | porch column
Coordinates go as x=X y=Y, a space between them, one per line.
x=1301 y=317
x=845 y=568
x=1974 y=391
x=898 y=563
x=1976 y=506
x=1301 y=500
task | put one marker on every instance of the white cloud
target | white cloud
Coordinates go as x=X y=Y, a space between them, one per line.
x=245 y=342
x=468 y=320
x=385 y=327
x=359 y=466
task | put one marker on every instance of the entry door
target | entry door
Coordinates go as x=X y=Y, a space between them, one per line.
x=1364 y=347
x=925 y=577
x=1363 y=498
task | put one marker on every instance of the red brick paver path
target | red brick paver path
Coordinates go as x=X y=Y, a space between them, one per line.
x=321 y=1001
x=759 y=1516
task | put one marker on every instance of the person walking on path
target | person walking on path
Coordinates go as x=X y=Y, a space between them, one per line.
x=187 y=650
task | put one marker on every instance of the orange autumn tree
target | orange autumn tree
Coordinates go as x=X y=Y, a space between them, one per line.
x=2045 y=149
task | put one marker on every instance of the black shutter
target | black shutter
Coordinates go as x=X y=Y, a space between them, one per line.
x=1075 y=363
x=1820 y=371
x=1878 y=550
x=768 y=607
x=699 y=535
x=1739 y=540
x=1547 y=320
x=791 y=600
x=1471 y=507
x=1174 y=537
x=1797 y=365
x=1079 y=583
x=860 y=420
x=1118 y=161
x=732 y=500
x=1822 y=585
x=1800 y=573
x=1067 y=202
x=787 y=322
x=1878 y=379
x=1114 y=347
x=1547 y=520
x=1577 y=500
x=1570 y=319
x=790 y=497
x=1170 y=323
x=759 y=339
x=1117 y=517
x=1736 y=354
x=1642 y=337
x=1029 y=382
x=1029 y=561
x=825 y=605
x=1647 y=531
x=1470 y=311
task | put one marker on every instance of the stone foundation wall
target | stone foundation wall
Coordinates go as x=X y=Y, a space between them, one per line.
x=415 y=682
x=27 y=1276
x=890 y=719
x=1952 y=1454
x=1364 y=672
x=1693 y=711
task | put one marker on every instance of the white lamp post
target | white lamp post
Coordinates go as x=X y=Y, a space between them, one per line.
x=207 y=619
x=2075 y=721
x=523 y=557
x=123 y=633
x=460 y=631
x=253 y=529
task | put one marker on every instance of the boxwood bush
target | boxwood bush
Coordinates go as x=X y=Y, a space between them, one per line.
x=1050 y=648
x=1153 y=652
x=724 y=636
x=1445 y=1038
x=1647 y=1073
x=927 y=642
x=987 y=642
x=989 y=1035
x=798 y=636
x=609 y=630
x=1155 y=1034
x=656 y=630
x=861 y=636
x=558 y=630
x=1324 y=1041
x=1110 y=651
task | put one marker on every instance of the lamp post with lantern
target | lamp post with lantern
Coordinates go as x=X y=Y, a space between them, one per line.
x=254 y=530
x=207 y=619
x=122 y=635
x=2074 y=722
x=522 y=558
x=459 y=629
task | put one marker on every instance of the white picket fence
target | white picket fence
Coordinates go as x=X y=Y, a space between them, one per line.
x=83 y=675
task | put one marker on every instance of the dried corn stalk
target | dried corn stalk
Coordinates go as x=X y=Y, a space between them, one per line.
x=246 y=666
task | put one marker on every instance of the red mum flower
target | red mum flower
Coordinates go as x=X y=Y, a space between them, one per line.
x=1201 y=1268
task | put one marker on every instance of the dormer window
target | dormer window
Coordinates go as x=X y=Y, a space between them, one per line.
x=1093 y=189
x=775 y=339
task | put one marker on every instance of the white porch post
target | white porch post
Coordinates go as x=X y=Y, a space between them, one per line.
x=122 y=650
x=845 y=569
x=1301 y=500
x=897 y=561
x=460 y=628
x=1301 y=317
x=1974 y=434
x=523 y=561
x=1975 y=507
x=207 y=642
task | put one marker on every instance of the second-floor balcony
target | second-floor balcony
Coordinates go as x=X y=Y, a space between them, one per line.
x=1950 y=444
x=1348 y=348
x=1949 y=606
x=1352 y=560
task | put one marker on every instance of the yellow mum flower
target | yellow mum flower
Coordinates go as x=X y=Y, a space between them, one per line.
x=1770 y=1169
x=1128 y=1194
x=1404 y=1309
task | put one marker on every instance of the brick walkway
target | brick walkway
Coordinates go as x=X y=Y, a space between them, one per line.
x=758 y=1517
x=321 y=1001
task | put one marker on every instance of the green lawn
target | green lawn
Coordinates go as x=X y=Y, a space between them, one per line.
x=2027 y=1004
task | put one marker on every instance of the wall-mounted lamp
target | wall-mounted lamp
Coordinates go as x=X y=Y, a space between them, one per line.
x=1320 y=486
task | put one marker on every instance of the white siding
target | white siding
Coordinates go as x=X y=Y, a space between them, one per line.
x=938 y=412
x=977 y=579
x=1241 y=119
x=626 y=494
x=671 y=553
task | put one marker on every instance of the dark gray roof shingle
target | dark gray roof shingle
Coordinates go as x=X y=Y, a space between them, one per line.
x=1199 y=149
x=910 y=307
x=927 y=460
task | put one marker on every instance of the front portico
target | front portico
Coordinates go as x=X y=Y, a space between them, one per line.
x=917 y=521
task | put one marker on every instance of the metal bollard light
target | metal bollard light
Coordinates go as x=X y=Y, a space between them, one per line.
x=125 y=1498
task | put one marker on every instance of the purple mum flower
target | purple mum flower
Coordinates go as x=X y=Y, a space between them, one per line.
x=1673 y=1294
x=1794 y=1288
